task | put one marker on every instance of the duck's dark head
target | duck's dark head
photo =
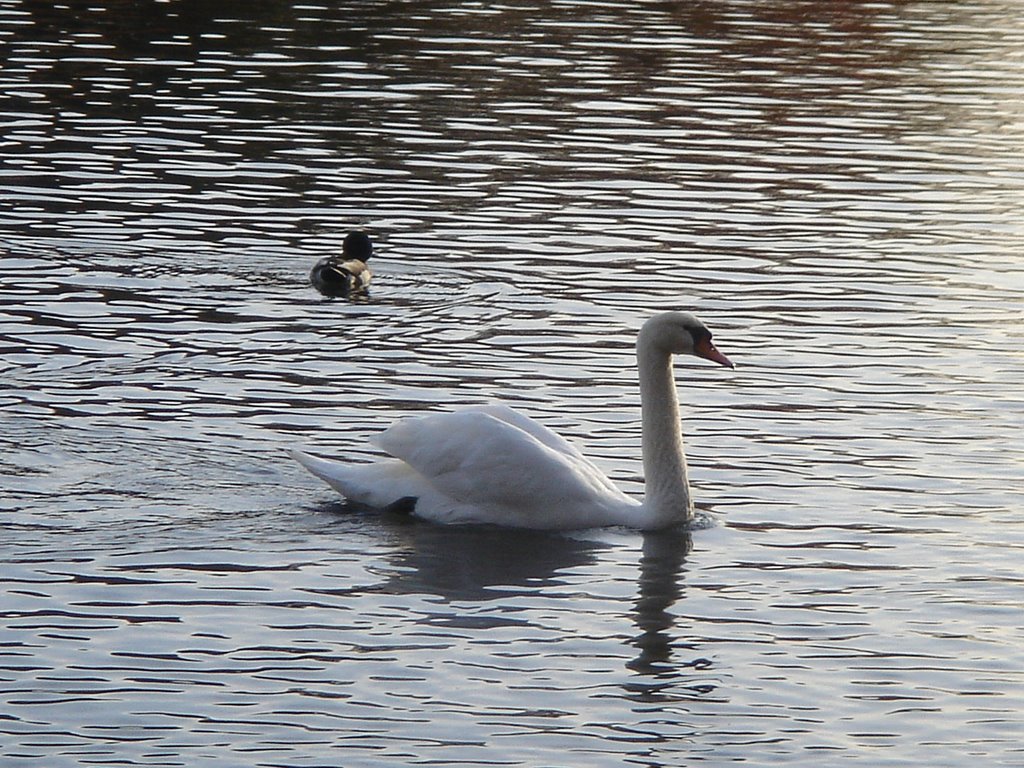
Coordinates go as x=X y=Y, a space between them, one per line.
x=357 y=246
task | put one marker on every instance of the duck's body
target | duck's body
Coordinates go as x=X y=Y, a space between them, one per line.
x=340 y=278
x=495 y=465
x=345 y=274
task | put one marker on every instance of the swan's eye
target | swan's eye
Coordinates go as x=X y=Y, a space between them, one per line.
x=699 y=334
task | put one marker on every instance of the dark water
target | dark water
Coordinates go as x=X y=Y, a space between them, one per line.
x=835 y=188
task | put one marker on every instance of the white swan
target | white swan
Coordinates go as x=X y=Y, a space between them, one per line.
x=494 y=465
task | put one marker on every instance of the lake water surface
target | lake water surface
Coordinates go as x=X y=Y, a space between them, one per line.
x=836 y=188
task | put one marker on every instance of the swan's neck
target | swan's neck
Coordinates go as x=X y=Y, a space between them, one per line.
x=667 y=490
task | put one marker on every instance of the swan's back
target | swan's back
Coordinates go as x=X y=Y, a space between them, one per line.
x=493 y=464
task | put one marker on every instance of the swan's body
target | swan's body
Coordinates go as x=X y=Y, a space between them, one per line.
x=347 y=273
x=495 y=465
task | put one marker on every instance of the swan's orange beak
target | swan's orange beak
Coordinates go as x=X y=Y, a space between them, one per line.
x=707 y=350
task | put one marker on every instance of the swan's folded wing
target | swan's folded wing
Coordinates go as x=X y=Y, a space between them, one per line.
x=475 y=457
x=536 y=429
x=547 y=437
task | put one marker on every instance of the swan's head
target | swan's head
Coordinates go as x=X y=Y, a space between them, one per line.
x=680 y=333
x=357 y=245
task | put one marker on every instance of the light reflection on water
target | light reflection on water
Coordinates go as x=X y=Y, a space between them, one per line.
x=835 y=189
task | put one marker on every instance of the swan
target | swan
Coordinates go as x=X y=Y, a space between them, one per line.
x=492 y=464
x=347 y=273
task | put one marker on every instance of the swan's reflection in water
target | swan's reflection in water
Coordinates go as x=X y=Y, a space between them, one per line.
x=476 y=564
x=661 y=563
x=479 y=563
x=660 y=586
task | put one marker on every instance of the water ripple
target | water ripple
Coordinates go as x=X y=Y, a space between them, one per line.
x=834 y=190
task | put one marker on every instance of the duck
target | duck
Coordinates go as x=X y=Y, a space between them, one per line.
x=491 y=464
x=345 y=274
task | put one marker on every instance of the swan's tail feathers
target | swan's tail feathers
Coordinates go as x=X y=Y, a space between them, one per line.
x=379 y=484
x=333 y=473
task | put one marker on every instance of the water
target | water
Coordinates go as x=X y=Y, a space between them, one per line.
x=834 y=188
